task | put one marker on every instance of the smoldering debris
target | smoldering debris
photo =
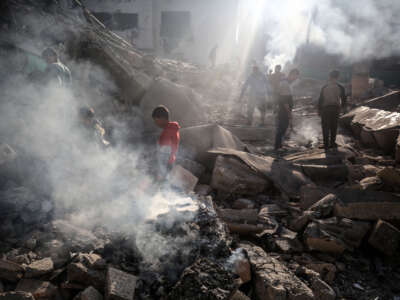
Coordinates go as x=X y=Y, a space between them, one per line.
x=81 y=219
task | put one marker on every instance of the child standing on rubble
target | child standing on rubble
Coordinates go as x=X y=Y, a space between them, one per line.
x=168 y=142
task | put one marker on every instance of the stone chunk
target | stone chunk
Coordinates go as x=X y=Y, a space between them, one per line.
x=91 y=294
x=385 y=238
x=120 y=285
x=39 y=268
x=10 y=271
x=271 y=210
x=367 y=205
x=322 y=290
x=273 y=280
x=247 y=216
x=182 y=178
x=77 y=272
x=311 y=194
x=390 y=176
x=232 y=176
x=324 y=207
x=39 y=289
x=373 y=183
x=16 y=296
x=335 y=235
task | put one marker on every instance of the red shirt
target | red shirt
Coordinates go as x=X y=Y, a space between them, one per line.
x=170 y=137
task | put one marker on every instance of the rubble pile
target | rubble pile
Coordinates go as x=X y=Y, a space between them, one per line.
x=310 y=224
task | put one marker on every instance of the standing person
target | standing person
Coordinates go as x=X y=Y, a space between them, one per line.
x=168 y=143
x=275 y=81
x=56 y=70
x=213 y=56
x=331 y=98
x=258 y=91
x=284 y=107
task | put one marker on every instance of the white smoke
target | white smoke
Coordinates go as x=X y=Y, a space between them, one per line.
x=356 y=30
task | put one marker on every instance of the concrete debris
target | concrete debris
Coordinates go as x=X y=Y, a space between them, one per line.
x=390 y=177
x=183 y=179
x=91 y=293
x=322 y=290
x=16 y=296
x=271 y=210
x=371 y=184
x=10 y=271
x=203 y=189
x=367 y=205
x=243 y=203
x=335 y=235
x=239 y=296
x=232 y=176
x=120 y=285
x=324 y=207
x=41 y=290
x=272 y=279
x=39 y=268
x=247 y=216
x=78 y=273
x=385 y=238
x=183 y=103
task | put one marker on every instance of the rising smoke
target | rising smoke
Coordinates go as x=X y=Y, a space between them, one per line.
x=356 y=30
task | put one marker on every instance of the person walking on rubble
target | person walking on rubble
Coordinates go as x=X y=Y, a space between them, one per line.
x=56 y=70
x=332 y=97
x=168 y=142
x=257 y=82
x=275 y=80
x=284 y=107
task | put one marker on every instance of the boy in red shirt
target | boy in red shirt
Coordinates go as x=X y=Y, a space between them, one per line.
x=168 y=143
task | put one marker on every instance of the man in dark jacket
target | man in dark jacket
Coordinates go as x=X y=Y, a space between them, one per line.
x=332 y=97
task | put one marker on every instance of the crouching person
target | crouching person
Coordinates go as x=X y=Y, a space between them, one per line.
x=168 y=142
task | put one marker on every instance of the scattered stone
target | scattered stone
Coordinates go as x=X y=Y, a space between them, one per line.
x=327 y=271
x=10 y=271
x=41 y=290
x=246 y=216
x=385 y=238
x=234 y=177
x=77 y=272
x=322 y=290
x=39 y=268
x=239 y=296
x=203 y=189
x=299 y=223
x=243 y=203
x=204 y=280
x=16 y=296
x=373 y=183
x=324 y=207
x=183 y=179
x=120 y=285
x=271 y=210
x=272 y=279
x=310 y=194
x=335 y=235
x=367 y=205
x=92 y=261
x=91 y=293
x=390 y=177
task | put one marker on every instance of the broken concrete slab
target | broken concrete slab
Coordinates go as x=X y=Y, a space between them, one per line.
x=322 y=290
x=271 y=210
x=16 y=296
x=204 y=280
x=41 y=290
x=183 y=103
x=232 y=176
x=385 y=238
x=243 y=203
x=272 y=279
x=91 y=260
x=367 y=205
x=10 y=271
x=196 y=141
x=373 y=183
x=181 y=178
x=321 y=157
x=77 y=272
x=246 y=216
x=91 y=293
x=390 y=176
x=310 y=194
x=286 y=177
x=389 y=101
x=335 y=235
x=39 y=268
x=320 y=173
x=120 y=285
x=324 y=207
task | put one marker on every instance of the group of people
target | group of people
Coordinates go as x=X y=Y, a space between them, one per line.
x=275 y=92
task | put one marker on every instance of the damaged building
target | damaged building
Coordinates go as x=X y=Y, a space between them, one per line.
x=84 y=214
